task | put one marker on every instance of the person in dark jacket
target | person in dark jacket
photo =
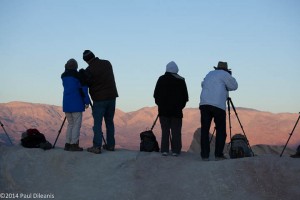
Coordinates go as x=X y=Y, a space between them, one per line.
x=171 y=96
x=75 y=100
x=103 y=91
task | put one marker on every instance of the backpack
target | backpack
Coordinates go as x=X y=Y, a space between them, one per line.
x=239 y=147
x=32 y=138
x=148 y=140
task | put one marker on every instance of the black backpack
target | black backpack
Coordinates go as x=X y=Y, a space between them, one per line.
x=32 y=138
x=148 y=140
x=239 y=147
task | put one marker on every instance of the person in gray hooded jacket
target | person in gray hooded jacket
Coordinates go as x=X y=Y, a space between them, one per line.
x=171 y=96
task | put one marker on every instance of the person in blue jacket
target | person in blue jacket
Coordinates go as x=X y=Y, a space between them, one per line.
x=215 y=91
x=75 y=101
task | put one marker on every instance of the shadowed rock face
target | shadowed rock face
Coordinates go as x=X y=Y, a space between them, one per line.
x=260 y=127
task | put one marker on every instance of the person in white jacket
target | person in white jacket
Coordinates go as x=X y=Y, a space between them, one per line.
x=215 y=88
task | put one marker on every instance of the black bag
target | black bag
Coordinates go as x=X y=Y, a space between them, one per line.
x=32 y=138
x=148 y=140
x=239 y=147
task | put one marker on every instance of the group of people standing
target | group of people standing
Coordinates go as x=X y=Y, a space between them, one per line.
x=98 y=80
x=170 y=94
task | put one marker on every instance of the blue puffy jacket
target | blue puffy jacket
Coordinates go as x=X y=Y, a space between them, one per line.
x=75 y=94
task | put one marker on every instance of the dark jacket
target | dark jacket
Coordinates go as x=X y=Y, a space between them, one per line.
x=101 y=80
x=75 y=94
x=171 y=95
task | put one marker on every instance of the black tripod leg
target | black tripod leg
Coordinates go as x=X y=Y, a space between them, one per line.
x=154 y=122
x=229 y=120
x=290 y=135
x=170 y=137
x=104 y=141
x=212 y=135
x=6 y=134
x=62 y=125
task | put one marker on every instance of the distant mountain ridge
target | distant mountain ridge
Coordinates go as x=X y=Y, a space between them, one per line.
x=260 y=127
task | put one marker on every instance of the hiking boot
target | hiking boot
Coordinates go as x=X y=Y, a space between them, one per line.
x=165 y=154
x=217 y=158
x=108 y=148
x=75 y=147
x=96 y=150
x=67 y=147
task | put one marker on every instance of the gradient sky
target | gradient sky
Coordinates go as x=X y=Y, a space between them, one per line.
x=260 y=40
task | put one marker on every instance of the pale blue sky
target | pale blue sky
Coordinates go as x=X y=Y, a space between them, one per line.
x=260 y=40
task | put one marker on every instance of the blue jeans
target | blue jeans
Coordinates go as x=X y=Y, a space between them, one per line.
x=104 y=109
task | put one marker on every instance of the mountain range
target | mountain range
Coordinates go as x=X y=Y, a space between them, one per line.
x=260 y=127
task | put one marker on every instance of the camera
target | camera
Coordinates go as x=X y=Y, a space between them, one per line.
x=226 y=70
x=229 y=71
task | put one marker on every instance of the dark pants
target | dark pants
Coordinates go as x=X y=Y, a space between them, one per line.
x=104 y=109
x=207 y=114
x=171 y=126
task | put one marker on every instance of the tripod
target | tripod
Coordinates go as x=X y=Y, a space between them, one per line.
x=290 y=135
x=62 y=125
x=170 y=136
x=59 y=132
x=229 y=102
x=6 y=133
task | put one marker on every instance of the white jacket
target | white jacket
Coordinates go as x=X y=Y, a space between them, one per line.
x=215 y=87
